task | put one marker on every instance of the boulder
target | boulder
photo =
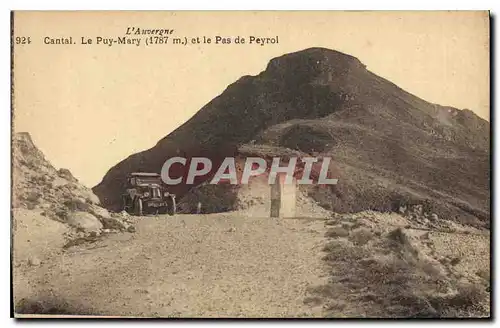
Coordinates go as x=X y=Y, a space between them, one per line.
x=99 y=212
x=418 y=209
x=76 y=204
x=94 y=234
x=92 y=198
x=45 y=206
x=84 y=221
x=66 y=174
x=87 y=194
x=59 y=182
x=124 y=215
x=114 y=223
x=34 y=261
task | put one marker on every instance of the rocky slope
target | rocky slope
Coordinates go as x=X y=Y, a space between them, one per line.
x=392 y=148
x=386 y=265
x=39 y=189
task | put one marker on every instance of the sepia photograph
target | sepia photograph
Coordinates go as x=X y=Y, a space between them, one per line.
x=250 y=164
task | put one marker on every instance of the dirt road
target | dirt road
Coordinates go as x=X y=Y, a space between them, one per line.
x=187 y=266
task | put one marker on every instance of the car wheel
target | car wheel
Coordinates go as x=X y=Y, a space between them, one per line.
x=127 y=205
x=171 y=209
x=138 y=207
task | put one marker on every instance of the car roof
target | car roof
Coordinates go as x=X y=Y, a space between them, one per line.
x=144 y=174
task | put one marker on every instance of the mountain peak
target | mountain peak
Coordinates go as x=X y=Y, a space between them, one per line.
x=313 y=61
x=324 y=100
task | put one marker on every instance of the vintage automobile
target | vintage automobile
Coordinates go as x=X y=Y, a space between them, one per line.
x=146 y=194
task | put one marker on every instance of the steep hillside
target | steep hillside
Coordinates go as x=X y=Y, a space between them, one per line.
x=38 y=184
x=39 y=190
x=392 y=148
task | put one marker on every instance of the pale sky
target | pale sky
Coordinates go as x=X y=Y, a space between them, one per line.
x=87 y=107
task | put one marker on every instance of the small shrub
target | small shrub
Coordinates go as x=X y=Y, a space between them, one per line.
x=30 y=206
x=314 y=300
x=358 y=224
x=466 y=302
x=330 y=247
x=32 y=197
x=467 y=295
x=346 y=226
x=429 y=268
x=400 y=241
x=337 y=232
x=324 y=290
x=361 y=236
x=485 y=274
x=454 y=261
x=61 y=214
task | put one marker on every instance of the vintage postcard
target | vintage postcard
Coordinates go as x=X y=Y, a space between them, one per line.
x=265 y=164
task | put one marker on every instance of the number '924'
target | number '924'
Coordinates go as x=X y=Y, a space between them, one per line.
x=23 y=40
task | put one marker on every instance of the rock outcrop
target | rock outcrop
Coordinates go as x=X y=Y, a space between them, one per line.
x=56 y=194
